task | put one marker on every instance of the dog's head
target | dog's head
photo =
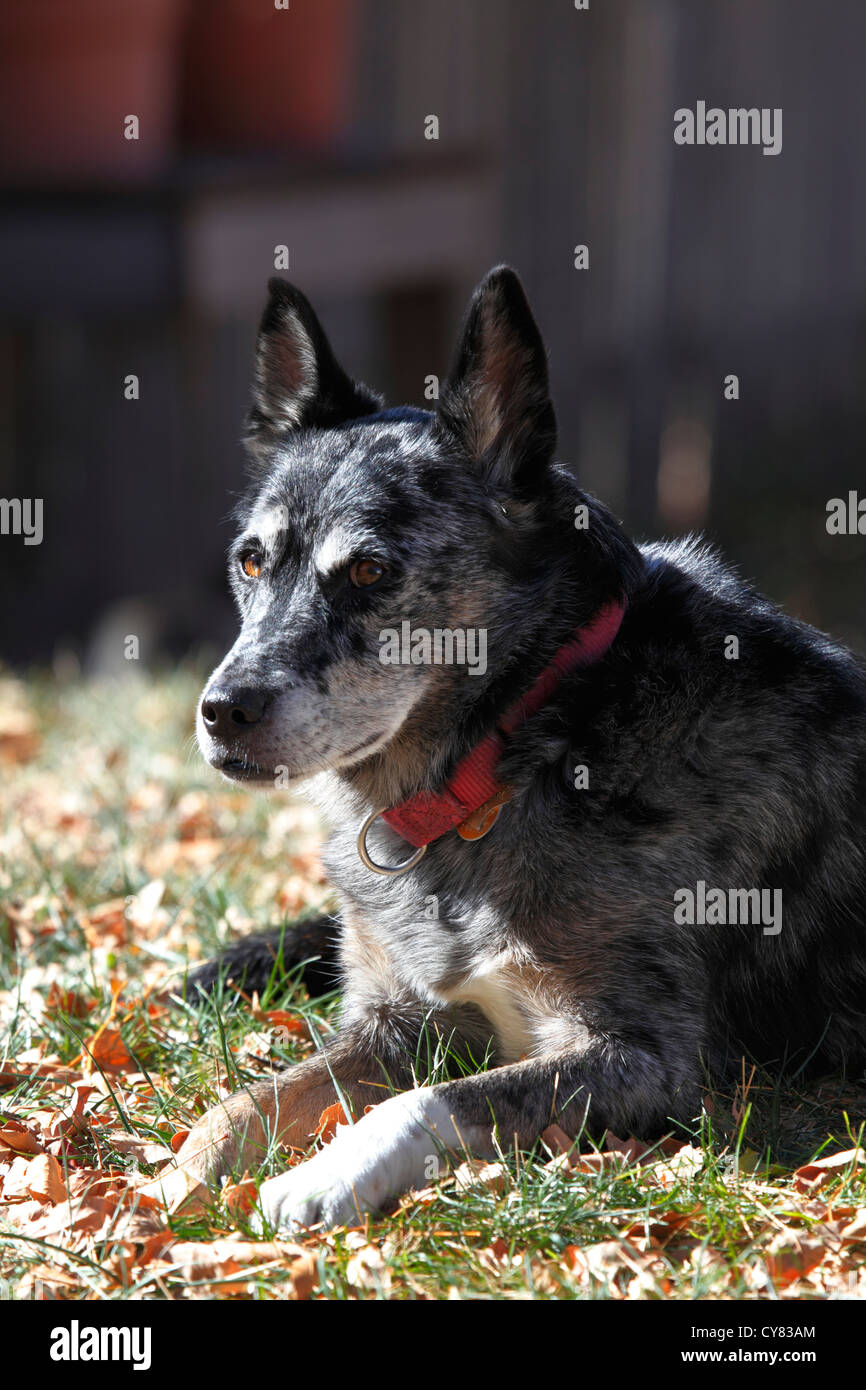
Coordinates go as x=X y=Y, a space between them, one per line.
x=370 y=531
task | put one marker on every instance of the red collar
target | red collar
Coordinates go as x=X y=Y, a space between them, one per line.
x=428 y=815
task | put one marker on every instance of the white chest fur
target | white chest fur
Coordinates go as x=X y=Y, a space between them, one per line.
x=496 y=988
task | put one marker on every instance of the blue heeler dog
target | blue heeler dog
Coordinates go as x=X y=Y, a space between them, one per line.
x=527 y=833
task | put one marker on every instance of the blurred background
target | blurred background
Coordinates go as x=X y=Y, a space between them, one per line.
x=306 y=128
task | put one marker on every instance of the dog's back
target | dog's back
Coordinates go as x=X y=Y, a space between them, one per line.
x=676 y=871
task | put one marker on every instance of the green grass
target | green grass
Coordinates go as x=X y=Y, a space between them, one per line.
x=114 y=798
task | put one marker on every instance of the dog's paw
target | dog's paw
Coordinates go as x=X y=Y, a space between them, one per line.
x=310 y=1195
x=363 y=1168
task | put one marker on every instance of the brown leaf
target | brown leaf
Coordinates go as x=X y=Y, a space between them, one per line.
x=109 y=1052
x=609 y=1262
x=557 y=1140
x=493 y=1176
x=790 y=1256
x=813 y=1176
x=289 y=1023
x=134 y=1146
x=495 y=1257
x=66 y=1001
x=200 y=1261
x=239 y=1198
x=332 y=1116
x=18 y=1138
x=631 y=1149
x=106 y=924
x=304 y=1274
x=855 y=1231
x=45 y=1179
x=19 y=737
x=15 y=1185
x=176 y=1188
x=82 y=1217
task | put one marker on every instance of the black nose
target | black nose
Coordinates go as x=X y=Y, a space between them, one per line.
x=226 y=713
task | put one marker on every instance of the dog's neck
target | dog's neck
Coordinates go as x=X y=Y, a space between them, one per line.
x=425 y=774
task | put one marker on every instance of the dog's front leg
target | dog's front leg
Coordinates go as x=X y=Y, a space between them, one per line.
x=373 y=1054
x=357 y=1068
x=390 y=1150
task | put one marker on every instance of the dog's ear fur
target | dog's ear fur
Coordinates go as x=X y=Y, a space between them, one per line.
x=298 y=382
x=496 y=402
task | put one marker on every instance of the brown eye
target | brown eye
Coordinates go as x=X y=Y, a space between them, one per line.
x=363 y=573
x=251 y=564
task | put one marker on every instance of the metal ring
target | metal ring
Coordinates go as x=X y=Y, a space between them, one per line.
x=384 y=868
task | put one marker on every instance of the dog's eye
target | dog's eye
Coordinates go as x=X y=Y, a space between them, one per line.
x=365 y=572
x=251 y=563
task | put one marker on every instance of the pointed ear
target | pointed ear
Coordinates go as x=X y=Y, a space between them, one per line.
x=298 y=381
x=496 y=402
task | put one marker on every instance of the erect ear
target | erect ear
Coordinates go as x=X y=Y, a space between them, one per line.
x=496 y=402
x=298 y=381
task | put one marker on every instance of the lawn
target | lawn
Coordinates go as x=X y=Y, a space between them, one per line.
x=123 y=859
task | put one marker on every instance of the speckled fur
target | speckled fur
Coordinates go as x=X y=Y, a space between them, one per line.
x=555 y=934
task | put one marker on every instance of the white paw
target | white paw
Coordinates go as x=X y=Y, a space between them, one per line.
x=366 y=1165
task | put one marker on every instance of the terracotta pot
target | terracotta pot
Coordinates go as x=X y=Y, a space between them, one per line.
x=71 y=71
x=258 y=77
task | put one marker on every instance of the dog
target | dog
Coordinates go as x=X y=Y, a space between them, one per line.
x=622 y=856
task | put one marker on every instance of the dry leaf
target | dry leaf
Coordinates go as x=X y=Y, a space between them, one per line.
x=18 y=1138
x=107 y=1051
x=15 y=1180
x=239 y=1198
x=557 y=1141
x=631 y=1149
x=134 y=1146
x=493 y=1176
x=328 y=1120
x=813 y=1176
x=19 y=737
x=367 y=1269
x=45 y=1179
x=304 y=1275
x=289 y=1023
x=496 y=1256
x=790 y=1256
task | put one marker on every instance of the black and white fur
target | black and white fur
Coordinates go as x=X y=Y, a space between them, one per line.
x=555 y=943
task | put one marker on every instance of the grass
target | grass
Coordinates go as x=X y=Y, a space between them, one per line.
x=123 y=860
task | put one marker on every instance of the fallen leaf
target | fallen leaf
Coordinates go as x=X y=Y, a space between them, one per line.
x=631 y=1149
x=282 y=1019
x=239 y=1198
x=366 y=1269
x=304 y=1274
x=107 y=1051
x=18 y=1138
x=134 y=1146
x=19 y=737
x=45 y=1178
x=790 y=1256
x=813 y=1176
x=332 y=1116
x=557 y=1141
x=493 y=1176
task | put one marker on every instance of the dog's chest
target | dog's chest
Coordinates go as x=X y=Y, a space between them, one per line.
x=495 y=986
